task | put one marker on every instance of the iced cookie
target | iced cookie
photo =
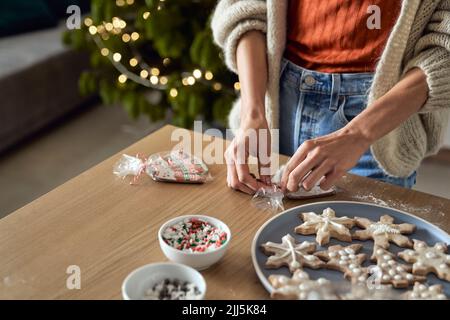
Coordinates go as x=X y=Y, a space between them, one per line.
x=427 y=259
x=384 y=231
x=345 y=259
x=424 y=292
x=326 y=226
x=291 y=254
x=389 y=271
x=301 y=287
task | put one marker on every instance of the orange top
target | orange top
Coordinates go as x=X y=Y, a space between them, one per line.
x=333 y=36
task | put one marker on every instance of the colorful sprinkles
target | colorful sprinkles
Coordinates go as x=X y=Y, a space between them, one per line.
x=194 y=235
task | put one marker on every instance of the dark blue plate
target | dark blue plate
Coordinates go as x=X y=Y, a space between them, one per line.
x=285 y=222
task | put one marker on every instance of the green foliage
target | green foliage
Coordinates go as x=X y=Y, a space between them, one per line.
x=175 y=29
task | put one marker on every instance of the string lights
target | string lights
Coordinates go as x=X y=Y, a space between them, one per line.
x=149 y=76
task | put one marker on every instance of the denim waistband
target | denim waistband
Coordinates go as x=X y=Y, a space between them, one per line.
x=327 y=83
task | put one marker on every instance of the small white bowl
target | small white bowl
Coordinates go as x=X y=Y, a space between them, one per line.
x=140 y=280
x=197 y=260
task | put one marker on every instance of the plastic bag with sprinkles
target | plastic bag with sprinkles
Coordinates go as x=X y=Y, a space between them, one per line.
x=170 y=166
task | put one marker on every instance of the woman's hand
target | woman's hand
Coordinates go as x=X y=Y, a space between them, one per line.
x=330 y=156
x=253 y=138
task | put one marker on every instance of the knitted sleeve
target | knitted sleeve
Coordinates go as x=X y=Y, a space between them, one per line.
x=232 y=19
x=432 y=55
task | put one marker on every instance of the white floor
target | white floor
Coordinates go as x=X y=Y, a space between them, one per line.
x=65 y=151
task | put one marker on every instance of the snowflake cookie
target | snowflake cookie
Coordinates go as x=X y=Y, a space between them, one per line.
x=390 y=271
x=301 y=287
x=427 y=259
x=292 y=254
x=326 y=226
x=345 y=259
x=424 y=292
x=384 y=231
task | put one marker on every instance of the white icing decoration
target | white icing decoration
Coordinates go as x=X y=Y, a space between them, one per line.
x=380 y=228
x=409 y=276
x=356 y=271
x=391 y=262
x=344 y=258
x=295 y=264
x=384 y=265
x=410 y=252
x=352 y=265
x=342 y=252
x=304 y=287
x=362 y=279
x=392 y=272
x=322 y=281
x=424 y=295
x=387 y=257
x=441 y=296
x=349 y=251
x=343 y=262
x=310 y=257
x=400 y=269
x=430 y=255
x=333 y=254
x=422 y=287
x=352 y=256
x=397 y=277
x=386 y=277
x=380 y=251
x=414 y=295
x=421 y=244
x=419 y=264
x=440 y=247
x=443 y=266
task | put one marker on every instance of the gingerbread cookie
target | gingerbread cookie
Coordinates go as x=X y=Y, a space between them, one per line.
x=345 y=259
x=427 y=259
x=292 y=254
x=384 y=231
x=301 y=287
x=389 y=271
x=326 y=226
x=424 y=292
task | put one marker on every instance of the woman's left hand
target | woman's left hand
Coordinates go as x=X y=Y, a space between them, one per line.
x=329 y=156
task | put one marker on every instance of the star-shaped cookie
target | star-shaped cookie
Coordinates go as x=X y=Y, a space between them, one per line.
x=390 y=271
x=384 y=231
x=427 y=259
x=291 y=254
x=424 y=292
x=345 y=259
x=301 y=287
x=326 y=226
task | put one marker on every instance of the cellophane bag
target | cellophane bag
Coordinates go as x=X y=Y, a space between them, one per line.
x=170 y=166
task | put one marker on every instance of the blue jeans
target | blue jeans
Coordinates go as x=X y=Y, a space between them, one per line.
x=313 y=104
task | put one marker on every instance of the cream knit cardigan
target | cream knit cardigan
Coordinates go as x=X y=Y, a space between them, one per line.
x=420 y=38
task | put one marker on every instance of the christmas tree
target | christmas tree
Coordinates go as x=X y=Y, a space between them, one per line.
x=155 y=57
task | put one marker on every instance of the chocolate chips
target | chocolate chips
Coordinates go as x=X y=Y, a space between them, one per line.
x=172 y=289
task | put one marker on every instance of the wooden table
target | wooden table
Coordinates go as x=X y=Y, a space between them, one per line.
x=108 y=228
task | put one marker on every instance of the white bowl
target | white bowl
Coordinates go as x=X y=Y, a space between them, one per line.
x=140 y=280
x=197 y=260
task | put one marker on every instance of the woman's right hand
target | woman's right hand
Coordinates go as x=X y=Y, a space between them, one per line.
x=253 y=136
x=252 y=139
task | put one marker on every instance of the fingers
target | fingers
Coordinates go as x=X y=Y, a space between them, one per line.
x=318 y=173
x=297 y=175
x=264 y=152
x=243 y=174
x=233 y=180
x=331 y=178
x=299 y=156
